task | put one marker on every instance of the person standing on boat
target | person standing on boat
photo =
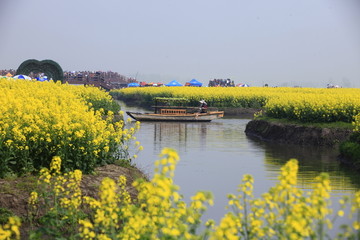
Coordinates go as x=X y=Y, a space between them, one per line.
x=203 y=106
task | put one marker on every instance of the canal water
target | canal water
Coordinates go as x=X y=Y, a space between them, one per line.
x=215 y=155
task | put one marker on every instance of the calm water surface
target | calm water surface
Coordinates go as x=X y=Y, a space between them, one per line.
x=214 y=156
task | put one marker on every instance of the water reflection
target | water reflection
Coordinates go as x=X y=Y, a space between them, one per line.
x=312 y=161
x=185 y=135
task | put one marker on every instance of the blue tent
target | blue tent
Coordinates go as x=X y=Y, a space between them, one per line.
x=22 y=77
x=173 y=83
x=133 y=84
x=42 y=79
x=195 y=83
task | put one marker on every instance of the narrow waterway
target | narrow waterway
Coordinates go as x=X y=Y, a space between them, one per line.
x=214 y=156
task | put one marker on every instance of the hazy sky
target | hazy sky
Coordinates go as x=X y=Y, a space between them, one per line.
x=280 y=42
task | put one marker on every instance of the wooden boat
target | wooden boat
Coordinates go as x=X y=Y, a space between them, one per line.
x=167 y=111
x=176 y=116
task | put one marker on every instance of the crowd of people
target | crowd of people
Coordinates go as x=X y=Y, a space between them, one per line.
x=5 y=71
x=108 y=76
x=329 y=85
x=12 y=72
x=107 y=80
x=221 y=83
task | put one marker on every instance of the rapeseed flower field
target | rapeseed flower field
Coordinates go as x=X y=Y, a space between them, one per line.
x=40 y=120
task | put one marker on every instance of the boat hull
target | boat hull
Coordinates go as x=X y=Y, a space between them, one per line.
x=188 y=117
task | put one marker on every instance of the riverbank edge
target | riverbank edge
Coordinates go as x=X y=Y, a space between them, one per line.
x=303 y=135
x=289 y=133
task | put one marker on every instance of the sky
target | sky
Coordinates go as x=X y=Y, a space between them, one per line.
x=307 y=43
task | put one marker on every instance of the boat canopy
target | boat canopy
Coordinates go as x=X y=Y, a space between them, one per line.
x=170 y=101
x=164 y=102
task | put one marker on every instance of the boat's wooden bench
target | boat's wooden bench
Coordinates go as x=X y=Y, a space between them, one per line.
x=173 y=111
